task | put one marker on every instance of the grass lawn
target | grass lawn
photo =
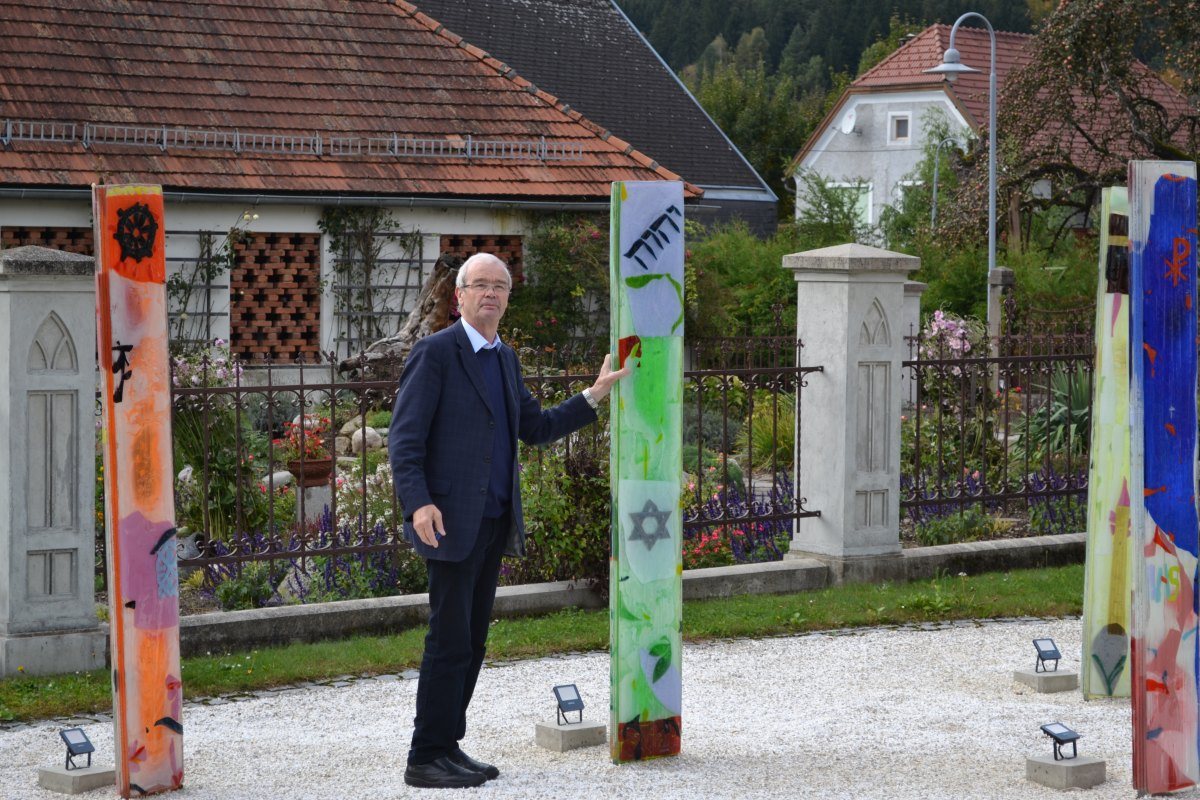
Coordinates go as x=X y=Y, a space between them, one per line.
x=1050 y=592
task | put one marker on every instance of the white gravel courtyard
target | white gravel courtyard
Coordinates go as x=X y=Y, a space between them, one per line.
x=876 y=713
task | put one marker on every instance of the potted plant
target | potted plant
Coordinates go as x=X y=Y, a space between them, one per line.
x=305 y=450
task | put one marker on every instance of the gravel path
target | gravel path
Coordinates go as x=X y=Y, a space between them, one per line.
x=877 y=713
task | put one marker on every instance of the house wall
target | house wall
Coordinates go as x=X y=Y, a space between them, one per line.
x=186 y=219
x=865 y=152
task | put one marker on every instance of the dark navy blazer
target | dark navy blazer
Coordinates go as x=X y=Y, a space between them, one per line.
x=440 y=439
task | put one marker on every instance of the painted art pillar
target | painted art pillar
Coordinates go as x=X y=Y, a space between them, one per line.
x=47 y=464
x=143 y=575
x=850 y=302
x=646 y=570
x=1162 y=332
x=1108 y=573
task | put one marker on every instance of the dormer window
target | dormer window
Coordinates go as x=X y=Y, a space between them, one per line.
x=899 y=128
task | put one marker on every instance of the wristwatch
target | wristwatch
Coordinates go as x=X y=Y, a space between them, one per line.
x=591 y=401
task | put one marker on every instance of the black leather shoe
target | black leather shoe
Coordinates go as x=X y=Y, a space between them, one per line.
x=442 y=773
x=466 y=762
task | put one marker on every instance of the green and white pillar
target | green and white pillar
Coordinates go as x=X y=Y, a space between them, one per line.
x=647 y=464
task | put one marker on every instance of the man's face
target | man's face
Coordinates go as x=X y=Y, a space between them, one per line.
x=485 y=297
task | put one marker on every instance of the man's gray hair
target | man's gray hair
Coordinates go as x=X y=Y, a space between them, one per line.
x=460 y=280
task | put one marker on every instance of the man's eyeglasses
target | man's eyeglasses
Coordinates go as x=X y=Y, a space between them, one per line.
x=484 y=288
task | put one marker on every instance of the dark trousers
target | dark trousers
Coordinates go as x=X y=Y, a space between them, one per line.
x=461 y=594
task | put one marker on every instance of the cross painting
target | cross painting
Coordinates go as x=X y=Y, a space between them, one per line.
x=1162 y=240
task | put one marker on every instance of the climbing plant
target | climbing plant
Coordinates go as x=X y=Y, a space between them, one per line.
x=365 y=281
x=190 y=290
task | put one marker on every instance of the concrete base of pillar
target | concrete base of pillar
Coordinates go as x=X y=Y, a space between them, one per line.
x=76 y=781
x=1047 y=682
x=53 y=653
x=1069 y=773
x=561 y=738
x=858 y=569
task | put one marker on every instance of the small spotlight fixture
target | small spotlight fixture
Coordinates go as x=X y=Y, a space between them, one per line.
x=1047 y=650
x=78 y=744
x=1062 y=735
x=569 y=701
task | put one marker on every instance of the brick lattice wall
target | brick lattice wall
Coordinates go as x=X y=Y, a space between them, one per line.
x=71 y=240
x=275 y=288
x=507 y=248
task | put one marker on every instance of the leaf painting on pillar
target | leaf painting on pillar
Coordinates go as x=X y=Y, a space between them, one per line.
x=143 y=577
x=646 y=572
x=1162 y=233
x=1108 y=572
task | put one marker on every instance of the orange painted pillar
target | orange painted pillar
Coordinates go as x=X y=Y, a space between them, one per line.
x=143 y=576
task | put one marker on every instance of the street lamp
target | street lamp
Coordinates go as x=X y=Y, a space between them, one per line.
x=952 y=67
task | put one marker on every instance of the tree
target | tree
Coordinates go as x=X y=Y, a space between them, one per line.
x=760 y=112
x=1085 y=104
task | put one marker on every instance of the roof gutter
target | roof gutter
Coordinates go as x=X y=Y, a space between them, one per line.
x=177 y=196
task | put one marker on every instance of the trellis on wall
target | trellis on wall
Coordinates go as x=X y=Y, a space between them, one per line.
x=377 y=274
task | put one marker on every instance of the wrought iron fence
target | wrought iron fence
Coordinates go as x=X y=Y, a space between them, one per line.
x=1001 y=427
x=241 y=434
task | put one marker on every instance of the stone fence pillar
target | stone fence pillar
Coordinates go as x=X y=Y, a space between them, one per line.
x=850 y=316
x=47 y=463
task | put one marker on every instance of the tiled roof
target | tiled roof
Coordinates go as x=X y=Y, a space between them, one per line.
x=905 y=69
x=303 y=68
x=588 y=54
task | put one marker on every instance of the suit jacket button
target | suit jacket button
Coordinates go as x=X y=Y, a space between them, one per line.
x=487 y=459
x=491 y=423
x=483 y=490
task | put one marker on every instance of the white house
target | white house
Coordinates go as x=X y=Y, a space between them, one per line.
x=872 y=140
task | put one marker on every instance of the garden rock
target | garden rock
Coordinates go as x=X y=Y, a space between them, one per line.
x=365 y=437
x=277 y=479
x=353 y=424
x=296 y=585
x=341 y=445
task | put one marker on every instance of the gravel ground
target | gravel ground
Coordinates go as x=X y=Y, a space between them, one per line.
x=877 y=713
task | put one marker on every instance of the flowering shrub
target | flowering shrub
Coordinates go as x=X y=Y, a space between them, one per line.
x=304 y=442
x=371 y=499
x=210 y=366
x=710 y=548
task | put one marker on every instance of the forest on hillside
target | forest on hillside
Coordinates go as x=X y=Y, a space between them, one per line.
x=768 y=70
x=799 y=30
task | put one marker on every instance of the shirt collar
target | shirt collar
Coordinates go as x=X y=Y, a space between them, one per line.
x=477 y=340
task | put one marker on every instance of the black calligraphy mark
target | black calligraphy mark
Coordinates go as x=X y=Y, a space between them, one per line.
x=136 y=230
x=121 y=365
x=657 y=234
x=166 y=537
x=648 y=538
x=1116 y=269
x=171 y=723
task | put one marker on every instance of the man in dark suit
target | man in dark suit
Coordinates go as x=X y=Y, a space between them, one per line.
x=460 y=408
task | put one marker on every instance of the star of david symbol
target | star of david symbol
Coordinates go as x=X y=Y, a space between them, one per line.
x=136 y=229
x=656 y=532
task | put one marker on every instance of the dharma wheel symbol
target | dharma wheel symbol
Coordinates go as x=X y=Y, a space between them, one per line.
x=136 y=229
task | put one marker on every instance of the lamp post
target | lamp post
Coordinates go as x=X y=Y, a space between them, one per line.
x=952 y=67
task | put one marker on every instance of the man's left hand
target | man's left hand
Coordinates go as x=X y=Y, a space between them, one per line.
x=600 y=389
